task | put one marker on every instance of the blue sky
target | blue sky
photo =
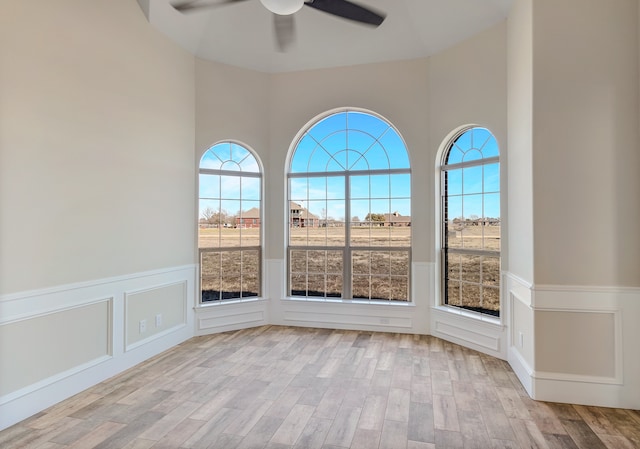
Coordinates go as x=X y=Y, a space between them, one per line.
x=346 y=143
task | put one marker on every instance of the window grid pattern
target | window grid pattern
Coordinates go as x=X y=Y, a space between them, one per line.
x=349 y=211
x=470 y=178
x=229 y=235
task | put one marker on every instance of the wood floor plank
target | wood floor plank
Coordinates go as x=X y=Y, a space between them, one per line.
x=275 y=387
x=293 y=425
x=344 y=426
x=445 y=413
x=394 y=435
x=314 y=434
x=373 y=411
x=398 y=404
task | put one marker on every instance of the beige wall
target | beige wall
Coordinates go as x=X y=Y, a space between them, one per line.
x=585 y=143
x=96 y=144
x=520 y=122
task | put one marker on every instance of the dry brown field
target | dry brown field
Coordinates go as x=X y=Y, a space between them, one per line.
x=377 y=273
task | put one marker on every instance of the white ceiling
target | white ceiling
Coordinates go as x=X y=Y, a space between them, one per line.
x=240 y=34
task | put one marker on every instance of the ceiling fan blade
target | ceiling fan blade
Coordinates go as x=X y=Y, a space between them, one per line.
x=195 y=5
x=284 y=29
x=348 y=10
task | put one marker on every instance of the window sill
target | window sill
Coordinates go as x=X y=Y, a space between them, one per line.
x=229 y=302
x=469 y=314
x=350 y=301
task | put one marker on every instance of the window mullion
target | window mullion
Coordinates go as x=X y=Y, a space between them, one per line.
x=347 y=291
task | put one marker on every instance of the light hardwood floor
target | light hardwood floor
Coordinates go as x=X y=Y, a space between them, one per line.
x=285 y=387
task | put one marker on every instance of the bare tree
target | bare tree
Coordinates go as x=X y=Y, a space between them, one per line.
x=213 y=216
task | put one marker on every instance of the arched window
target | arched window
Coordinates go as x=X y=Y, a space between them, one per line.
x=470 y=190
x=230 y=217
x=349 y=210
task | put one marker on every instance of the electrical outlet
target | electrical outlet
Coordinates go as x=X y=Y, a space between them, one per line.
x=521 y=339
x=159 y=320
x=143 y=326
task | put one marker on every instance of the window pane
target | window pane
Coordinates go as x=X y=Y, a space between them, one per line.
x=334 y=261
x=360 y=187
x=472 y=236
x=472 y=207
x=400 y=288
x=361 y=262
x=298 y=261
x=316 y=262
x=361 y=287
x=250 y=188
x=298 y=190
x=231 y=287
x=360 y=120
x=210 y=287
x=230 y=187
x=453 y=293
x=454 y=182
x=377 y=158
x=250 y=262
x=297 y=235
x=471 y=266
x=360 y=234
x=298 y=285
x=455 y=156
x=471 y=155
x=319 y=161
x=334 y=286
x=454 y=267
x=210 y=263
x=210 y=160
x=231 y=263
x=399 y=263
x=315 y=285
x=209 y=186
x=491 y=271
x=491 y=299
x=391 y=141
x=380 y=287
x=491 y=205
x=491 y=178
x=250 y=285
x=472 y=179
x=380 y=186
x=471 y=297
x=492 y=236
x=380 y=262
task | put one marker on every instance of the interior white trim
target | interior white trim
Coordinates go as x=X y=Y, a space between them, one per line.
x=20 y=404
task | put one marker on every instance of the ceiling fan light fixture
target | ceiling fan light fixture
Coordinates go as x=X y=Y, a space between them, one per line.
x=283 y=7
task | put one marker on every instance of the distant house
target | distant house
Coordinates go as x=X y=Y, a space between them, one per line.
x=249 y=219
x=396 y=219
x=299 y=217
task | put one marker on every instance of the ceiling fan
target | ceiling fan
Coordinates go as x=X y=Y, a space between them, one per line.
x=283 y=10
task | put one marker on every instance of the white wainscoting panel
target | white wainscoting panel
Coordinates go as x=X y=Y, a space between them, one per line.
x=223 y=316
x=521 y=338
x=102 y=304
x=467 y=330
x=616 y=311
